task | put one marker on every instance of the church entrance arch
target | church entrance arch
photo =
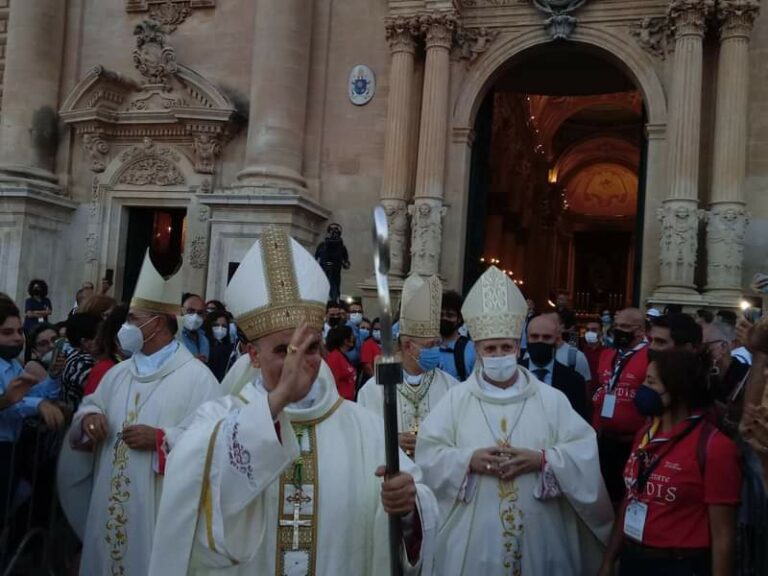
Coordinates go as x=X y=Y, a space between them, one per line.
x=557 y=158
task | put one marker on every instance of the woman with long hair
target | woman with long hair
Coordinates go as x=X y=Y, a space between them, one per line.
x=339 y=341
x=683 y=480
x=216 y=328
x=106 y=351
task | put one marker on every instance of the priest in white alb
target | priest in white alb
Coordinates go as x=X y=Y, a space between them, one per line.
x=128 y=425
x=284 y=477
x=514 y=468
x=424 y=384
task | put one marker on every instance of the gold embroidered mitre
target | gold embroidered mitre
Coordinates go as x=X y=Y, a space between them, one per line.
x=277 y=286
x=495 y=307
x=420 y=307
x=155 y=294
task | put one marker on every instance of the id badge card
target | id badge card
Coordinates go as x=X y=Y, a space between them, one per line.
x=609 y=406
x=634 y=520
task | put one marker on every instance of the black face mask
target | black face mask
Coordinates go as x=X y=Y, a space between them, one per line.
x=333 y=322
x=36 y=292
x=622 y=338
x=8 y=353
x=447 y=328
x=653 y=354
x=541 y=353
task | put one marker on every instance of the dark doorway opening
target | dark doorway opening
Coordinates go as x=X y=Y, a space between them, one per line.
x=162 y=230
x=556 y=184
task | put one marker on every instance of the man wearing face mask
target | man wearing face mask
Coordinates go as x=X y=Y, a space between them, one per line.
x=457 y=352
x=192 y=333
x=335 y=315
x=542 y=336
x=332 y=256
x=513 y=466
x=424 y=384
x=728 y=374
x=592 y=347
x=621 y=372
x=128 y=424
x=354 y=320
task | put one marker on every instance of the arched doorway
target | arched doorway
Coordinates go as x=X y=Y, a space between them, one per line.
x=555 y=181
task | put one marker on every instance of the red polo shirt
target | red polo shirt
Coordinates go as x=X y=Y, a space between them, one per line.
x=677 y=493
x=625 y=421
x=344 y=374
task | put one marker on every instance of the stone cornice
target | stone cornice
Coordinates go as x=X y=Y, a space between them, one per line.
x=736 y=17
x=689 y=17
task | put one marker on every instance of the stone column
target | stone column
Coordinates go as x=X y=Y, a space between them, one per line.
x=427 y=210
x=28 y=134
x=679 y=214
x=279 y=82
x=727 y=219
x=401 y=34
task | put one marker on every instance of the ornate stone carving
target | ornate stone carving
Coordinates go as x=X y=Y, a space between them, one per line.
x=679 y=221
x=426 y=235
x=439 y=28
x=560 y=23
x=483 y=3
x=397 y=218
x=198 y=253
x=207 y=149
x=473 y=42
x=203 y=214
x=169 y=13
x=151 y=171
x=402 y=33
x=97 y=149
x=726 y=227
x=153 y=59
x=652 y=35
x=688 y=17
x=91 y=247
x=736 y=17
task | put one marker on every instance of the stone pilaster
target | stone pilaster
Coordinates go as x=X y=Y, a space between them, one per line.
x=427 y=210
x=679 y=215
x=279 y=80
x=401 y=34
x=28 y=135
x=727 y=219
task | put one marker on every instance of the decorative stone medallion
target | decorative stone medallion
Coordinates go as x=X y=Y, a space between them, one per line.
x=362 y=85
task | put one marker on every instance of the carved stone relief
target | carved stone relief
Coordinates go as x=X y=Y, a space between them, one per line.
x=471 y=43
x=169 y=13
x=560 y=23
x=198 y=253
x=726 y=228
x=426 y=235
x=152 y=172
x=653 y=35
x=153 y=59
x=397 y=218
x=97 y=149
x=207 y=148
x=679 y=221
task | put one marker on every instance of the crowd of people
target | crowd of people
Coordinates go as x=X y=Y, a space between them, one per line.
x=194 y=437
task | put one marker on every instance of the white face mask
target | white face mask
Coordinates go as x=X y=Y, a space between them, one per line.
x=192 y=322
x=219 y=332
x=130 y=338
x=356 y=318
x=500 y=368
x=376 y=335
x=591 y=337
x=47 y=358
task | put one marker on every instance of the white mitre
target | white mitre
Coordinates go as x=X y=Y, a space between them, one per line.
x=420 y=307
x=495 y=307
x=154 y=293
x=277 y=286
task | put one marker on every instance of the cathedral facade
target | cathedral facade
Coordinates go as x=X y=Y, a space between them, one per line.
x=523 y=132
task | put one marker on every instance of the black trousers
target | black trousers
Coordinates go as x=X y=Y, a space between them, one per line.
x=614 y=454
x=672 y=567
x=8 y=479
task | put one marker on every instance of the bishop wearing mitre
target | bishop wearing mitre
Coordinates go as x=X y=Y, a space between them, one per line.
x=111 y=492
x=514 y=468
x=284 y=477
x=424 y=384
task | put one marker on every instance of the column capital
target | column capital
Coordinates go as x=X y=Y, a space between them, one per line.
x=689 y=17
x=736 y=17
x=439 y=28
x=402 y=33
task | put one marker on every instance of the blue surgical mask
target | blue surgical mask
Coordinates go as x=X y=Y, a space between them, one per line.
x=364 y=334
x=429 y=358
x=648 y=402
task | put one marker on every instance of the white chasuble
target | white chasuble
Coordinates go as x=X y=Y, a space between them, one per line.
x=245 y=495
x=121 y=487
x=554 y=522
x=413 y=402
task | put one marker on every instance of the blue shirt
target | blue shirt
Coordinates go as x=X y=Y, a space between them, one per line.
x=354 y=355
x=12 y=417
x=200 y=348
x=448 y=360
